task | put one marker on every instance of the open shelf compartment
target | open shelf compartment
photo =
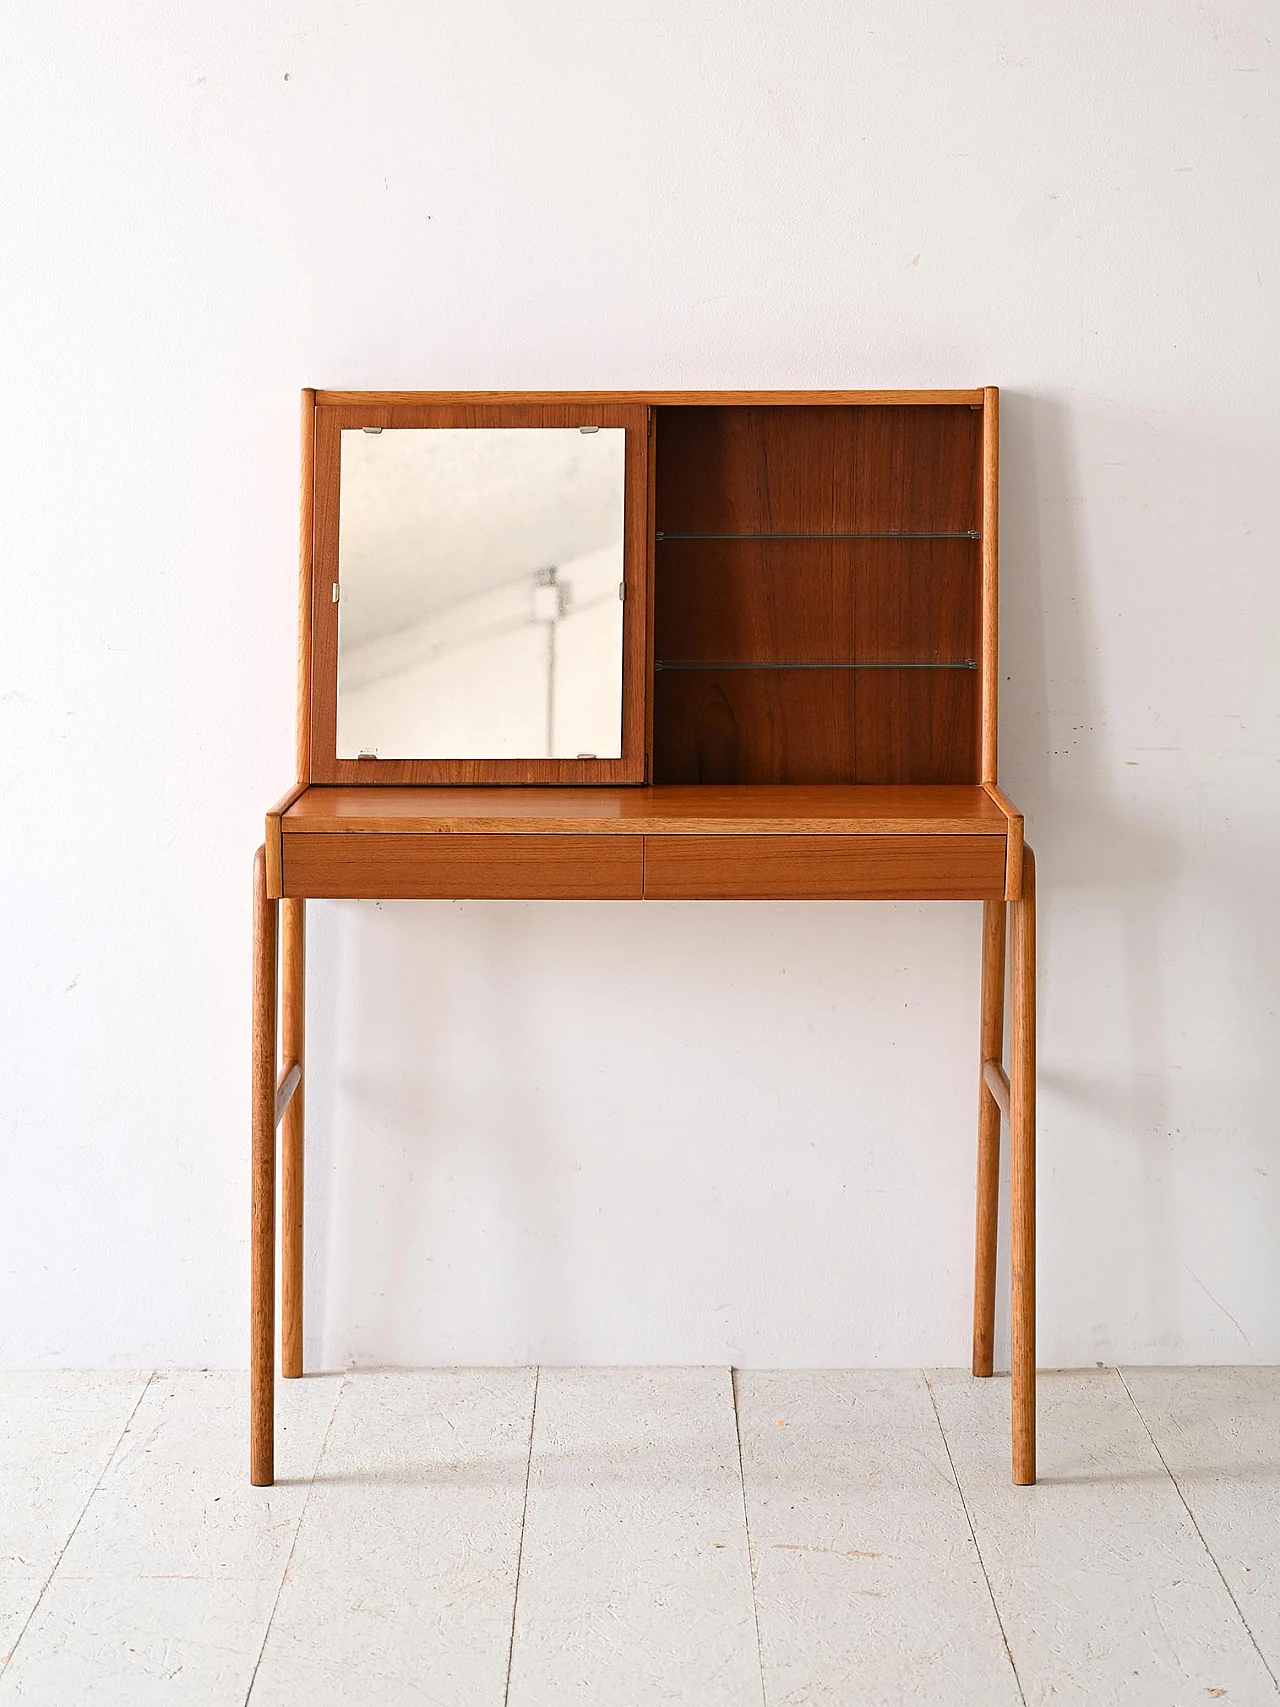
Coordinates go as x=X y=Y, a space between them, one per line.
x=817 y=594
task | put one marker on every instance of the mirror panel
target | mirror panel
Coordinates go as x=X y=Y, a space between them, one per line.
x=480 y=614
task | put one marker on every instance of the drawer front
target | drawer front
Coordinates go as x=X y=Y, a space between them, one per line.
x=451 y=867
x=824 y=868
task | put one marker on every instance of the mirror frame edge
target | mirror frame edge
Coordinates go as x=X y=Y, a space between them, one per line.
x=322 y=425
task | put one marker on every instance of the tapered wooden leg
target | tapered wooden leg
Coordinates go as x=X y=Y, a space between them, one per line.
x=991 y=1048
x=293 y=1008
x=1022 y=1187
x=262 y=1281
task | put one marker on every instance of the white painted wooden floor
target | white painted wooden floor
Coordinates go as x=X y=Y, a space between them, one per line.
x=628 y=1537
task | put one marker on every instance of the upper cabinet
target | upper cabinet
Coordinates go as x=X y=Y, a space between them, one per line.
x=693 y=588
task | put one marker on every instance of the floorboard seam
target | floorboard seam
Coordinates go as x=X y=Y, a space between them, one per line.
x=1275 y=1683
x=746 y=1526
x=297 y=1530
x=968 y=1517
x=53 y=1569
x=524 y=1518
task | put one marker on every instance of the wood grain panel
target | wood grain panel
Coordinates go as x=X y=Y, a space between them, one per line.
x=651 y=572
x=987 y=1215
x=658 y=810
x=916 y=726
x=807 y=399
x=753 y=726
x=823 y=868
x=409 y=867
x=990 y=469
x=914 y=602
x=815 y=726
x=813 y=601
x=907 y=468
x=262 y=1171
x=306 y=536
x=770 y=469
x=745 y=470
x=271 y=841
x=1022 y=1173
x=734 y=600
x=293 y=1047
x=1016 y=833
x=381 y=411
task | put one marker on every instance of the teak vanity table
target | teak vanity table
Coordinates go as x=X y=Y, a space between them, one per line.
x=636 y=645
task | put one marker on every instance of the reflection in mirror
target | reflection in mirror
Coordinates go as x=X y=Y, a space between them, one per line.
x=480 y=571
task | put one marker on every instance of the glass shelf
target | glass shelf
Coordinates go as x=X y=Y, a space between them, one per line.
x=663 y=538
x=957 y=664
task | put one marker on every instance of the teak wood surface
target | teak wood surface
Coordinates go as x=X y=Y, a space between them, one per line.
x=823 y=868
x=662 y=842
x=810 y=711
x=262 y=1229
x=665 y=809
x=293 y=1016
x=466 y=867
x=808 y=399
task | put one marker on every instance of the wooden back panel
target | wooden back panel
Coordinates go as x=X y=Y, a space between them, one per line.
x=818 y=600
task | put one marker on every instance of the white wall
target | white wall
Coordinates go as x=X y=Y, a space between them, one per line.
x=598 y=1132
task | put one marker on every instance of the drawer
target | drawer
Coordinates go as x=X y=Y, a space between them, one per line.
x=453 y=867
x=824 y=868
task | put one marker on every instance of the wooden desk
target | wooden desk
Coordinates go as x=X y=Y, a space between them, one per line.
x=809 y=683
x=656 y=843
x=833 y=843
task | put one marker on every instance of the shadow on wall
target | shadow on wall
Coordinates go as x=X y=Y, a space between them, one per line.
x=1105 y=563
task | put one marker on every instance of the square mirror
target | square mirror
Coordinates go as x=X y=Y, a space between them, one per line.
x=479 y=592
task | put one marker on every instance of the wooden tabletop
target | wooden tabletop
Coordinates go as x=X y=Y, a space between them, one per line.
x=655 y=810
